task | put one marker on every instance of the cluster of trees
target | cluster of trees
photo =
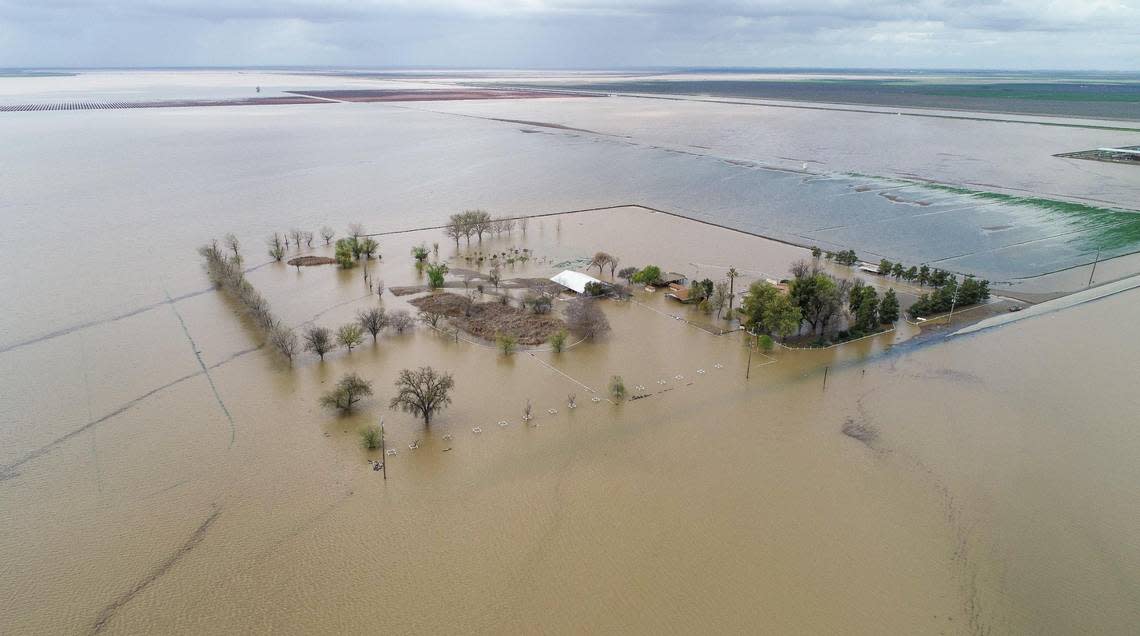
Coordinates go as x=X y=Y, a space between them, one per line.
x=351 y=249
x=423 y=392
x=923 y=275
x=585 y=318
x=603 y=260
x=867 y=311
x=321 y=340
x=479 y=222
x=951 y=294
x=821 y=301
x=225 y=272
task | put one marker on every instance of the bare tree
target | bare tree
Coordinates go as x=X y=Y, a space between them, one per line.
x=454 y=228
x=234 y=246
x=480 y=223
x=423 y=392
x=400 y=320
x=284 y=340
x=600 y=260
x=585 y=318
x=522 y=224
x=308 y=238
x=327 y=234
x=495 y=275
x=356 y=230
x=297 y=236
x=431 y=317
x=276 y=249
x=373 y=321
x=319 y=340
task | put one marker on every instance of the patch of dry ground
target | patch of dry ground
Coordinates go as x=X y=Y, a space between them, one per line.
x=488 y=320
x=306 y=261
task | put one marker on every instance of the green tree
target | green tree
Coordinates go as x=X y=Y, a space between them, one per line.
x=627 y=274
x=816 y=252
x=648 y=275
x=885 y=267
x=767 y=310
x=349 y=336
x=423 y=392
x=819 y=299
x=898 y=271
x=346 y=251
x=348 y=391
x=889 y=308
x=367 y=247
x=276 y=247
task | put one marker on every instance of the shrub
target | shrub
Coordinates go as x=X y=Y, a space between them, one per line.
x=372 y=437
x=558 y=341
x=507 y=343
x=649 y=275
x=617 y=388
x=435 y=272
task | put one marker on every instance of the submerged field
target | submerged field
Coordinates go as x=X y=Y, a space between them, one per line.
x=223 y=494
x=165 y=471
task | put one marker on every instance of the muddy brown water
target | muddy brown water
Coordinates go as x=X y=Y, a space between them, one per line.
x=999 y=495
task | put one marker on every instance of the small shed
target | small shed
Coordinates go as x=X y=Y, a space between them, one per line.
x=678 y=292
x=674 y=278
x=575 y=281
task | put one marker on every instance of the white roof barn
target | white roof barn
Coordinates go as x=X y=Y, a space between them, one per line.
x=576 y=281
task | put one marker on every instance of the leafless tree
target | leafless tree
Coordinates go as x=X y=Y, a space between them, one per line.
x=400 y=320
x=423 y=392
x=276 y=249
x=234 y=245
x=284 y=340
x=356 y=230
x=327 y=234
x=585 y=318
x=373 y=321
x=349 y=336
x=319 y=340
x=454 y=228
x=297 y=236
x=431 y=317
x=480 y=222
x=308 y=238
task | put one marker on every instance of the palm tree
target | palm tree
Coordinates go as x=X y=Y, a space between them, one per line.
x=732 y=276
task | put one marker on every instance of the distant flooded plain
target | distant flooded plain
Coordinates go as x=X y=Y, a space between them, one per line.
x=166 y=472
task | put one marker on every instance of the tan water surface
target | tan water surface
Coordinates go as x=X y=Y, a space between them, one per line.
x=145 y=495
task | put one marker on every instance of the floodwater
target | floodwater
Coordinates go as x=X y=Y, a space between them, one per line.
x=166 y=473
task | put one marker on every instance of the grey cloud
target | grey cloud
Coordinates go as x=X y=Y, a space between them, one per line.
x=568 y=33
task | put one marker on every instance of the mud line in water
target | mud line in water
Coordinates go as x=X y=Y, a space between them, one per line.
x=6 y=472
x=205 y=369
x=195 y=538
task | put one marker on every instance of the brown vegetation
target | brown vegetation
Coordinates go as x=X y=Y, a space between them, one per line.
x=491 y=319
x=307 y=261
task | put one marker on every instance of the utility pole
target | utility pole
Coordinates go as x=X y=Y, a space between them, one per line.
x=383 y=450
x=825 y=372
x=748 y=367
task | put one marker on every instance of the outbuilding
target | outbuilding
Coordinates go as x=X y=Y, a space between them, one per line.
x=574 y=281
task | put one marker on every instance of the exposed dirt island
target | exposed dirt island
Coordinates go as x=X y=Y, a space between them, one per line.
x=487 y=320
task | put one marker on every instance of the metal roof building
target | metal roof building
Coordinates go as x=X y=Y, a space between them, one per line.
x=576 y=281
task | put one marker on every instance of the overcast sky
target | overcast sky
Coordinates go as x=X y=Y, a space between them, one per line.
x=1033 y=34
